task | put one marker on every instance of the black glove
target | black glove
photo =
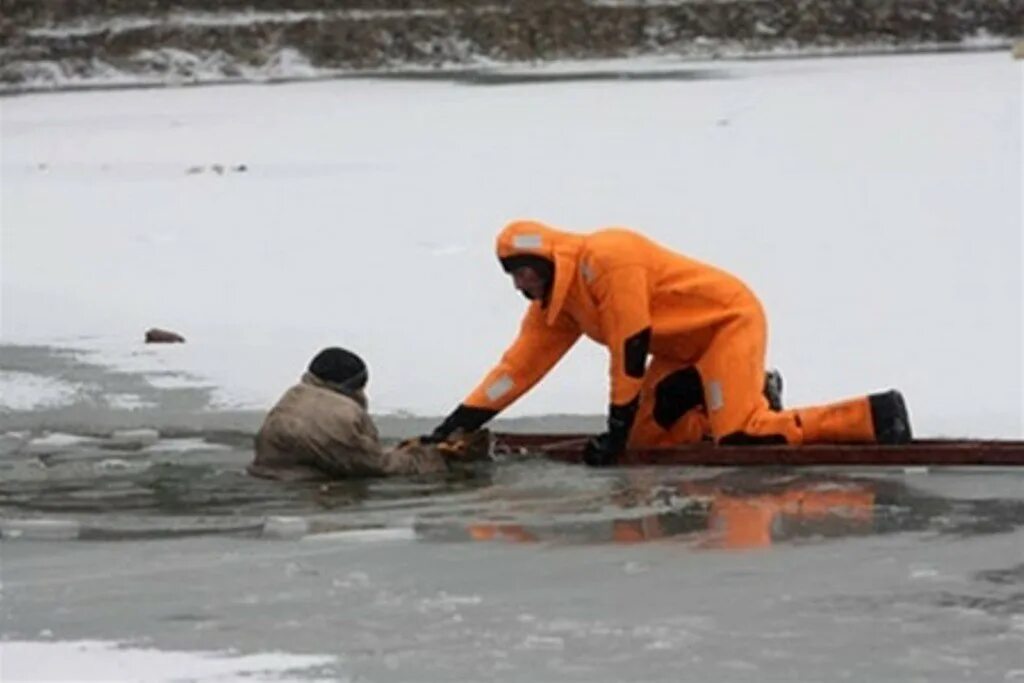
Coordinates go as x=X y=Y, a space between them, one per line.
x=600 y=451
x=466 y=418
x=604 y=449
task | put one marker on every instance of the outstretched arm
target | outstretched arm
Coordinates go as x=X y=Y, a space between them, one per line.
x=535 y=351
x=352 y=449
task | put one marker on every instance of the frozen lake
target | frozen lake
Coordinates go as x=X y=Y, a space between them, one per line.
x=874 y=203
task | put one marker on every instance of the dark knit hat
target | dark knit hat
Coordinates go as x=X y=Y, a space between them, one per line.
x=340 y=366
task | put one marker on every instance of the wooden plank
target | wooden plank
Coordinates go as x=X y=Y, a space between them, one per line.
x=925 y=452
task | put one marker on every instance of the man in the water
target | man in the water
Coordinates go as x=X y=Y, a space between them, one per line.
x=320 y=429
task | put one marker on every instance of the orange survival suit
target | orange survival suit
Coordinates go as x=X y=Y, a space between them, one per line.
x=640 y=299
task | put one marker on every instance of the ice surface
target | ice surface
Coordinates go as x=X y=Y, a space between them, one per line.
x=57 y=441
x=24 y=391
x=106 y=661
x=874 y=203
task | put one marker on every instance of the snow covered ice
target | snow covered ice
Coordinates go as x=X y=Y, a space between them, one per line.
x=99 y=661
x=873 y=203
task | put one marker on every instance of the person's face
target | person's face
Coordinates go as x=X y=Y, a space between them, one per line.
x=529 y=282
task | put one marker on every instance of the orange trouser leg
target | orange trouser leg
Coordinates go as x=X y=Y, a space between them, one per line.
x=732 y=371
x=692 y=427
x=842 y=422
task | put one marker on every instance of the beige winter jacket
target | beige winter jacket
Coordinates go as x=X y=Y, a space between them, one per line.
x=316 y=432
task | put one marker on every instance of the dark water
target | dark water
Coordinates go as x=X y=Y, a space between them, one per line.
x=197 y=484
x=524 y=570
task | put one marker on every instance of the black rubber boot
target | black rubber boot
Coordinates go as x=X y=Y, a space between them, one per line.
x=773 y=389
x=890 y=418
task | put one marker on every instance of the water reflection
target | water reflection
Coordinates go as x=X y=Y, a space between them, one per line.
x=738 y=510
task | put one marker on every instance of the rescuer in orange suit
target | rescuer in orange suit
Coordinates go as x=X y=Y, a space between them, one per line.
x=703 y=329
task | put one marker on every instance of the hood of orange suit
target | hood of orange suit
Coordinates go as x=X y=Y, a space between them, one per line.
x=561 y=248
